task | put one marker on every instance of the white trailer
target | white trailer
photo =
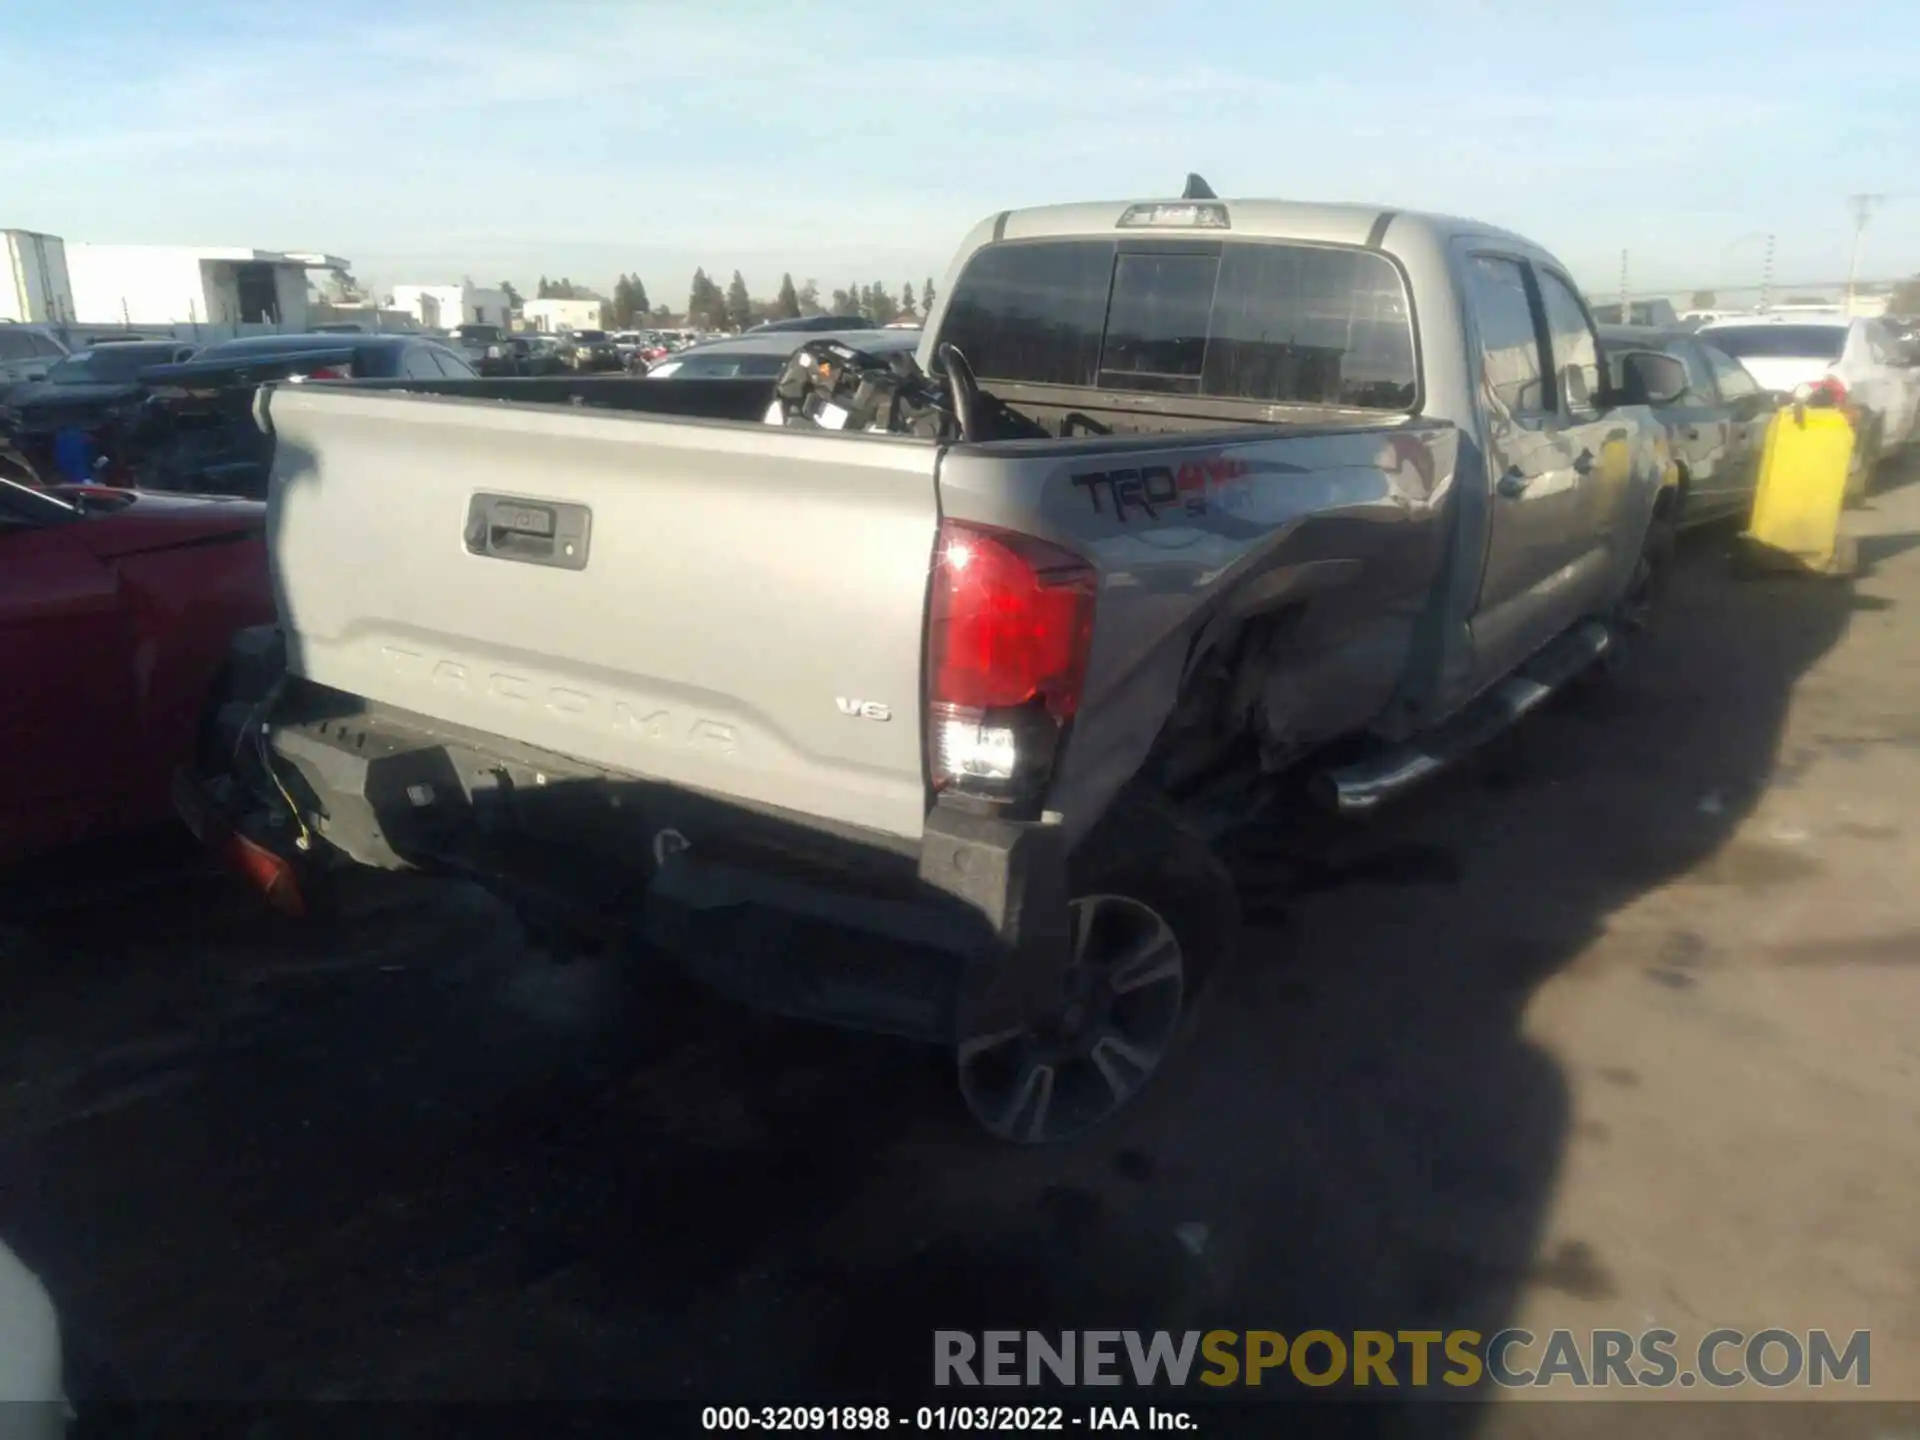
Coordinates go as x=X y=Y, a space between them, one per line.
x=34 y=288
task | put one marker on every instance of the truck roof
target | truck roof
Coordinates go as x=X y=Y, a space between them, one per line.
x=1331 y=223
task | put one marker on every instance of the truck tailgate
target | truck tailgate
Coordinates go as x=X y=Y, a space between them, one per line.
x=733 y=609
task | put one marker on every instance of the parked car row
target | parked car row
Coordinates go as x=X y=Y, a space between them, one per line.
x=160 y=415
x=1739 y=370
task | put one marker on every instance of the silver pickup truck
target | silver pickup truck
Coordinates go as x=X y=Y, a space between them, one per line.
x=930 y=736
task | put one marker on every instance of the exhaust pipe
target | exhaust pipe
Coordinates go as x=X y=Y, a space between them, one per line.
x=1366 y=784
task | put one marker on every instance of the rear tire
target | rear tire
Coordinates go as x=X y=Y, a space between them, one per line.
x=1155 y=923
x=1632 y=615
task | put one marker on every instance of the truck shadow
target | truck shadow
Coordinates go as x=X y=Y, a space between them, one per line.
x=414 y=1158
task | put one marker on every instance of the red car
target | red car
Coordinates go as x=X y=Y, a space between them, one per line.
x=116 y=612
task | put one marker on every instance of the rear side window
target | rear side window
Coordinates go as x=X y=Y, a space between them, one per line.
x=1789 y=342
x=1509 y=338
x=1700 y=385
x=1264 y=322
x=1729 y=375
x=15 y=345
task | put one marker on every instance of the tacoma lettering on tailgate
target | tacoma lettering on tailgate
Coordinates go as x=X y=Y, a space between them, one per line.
x=658 y=726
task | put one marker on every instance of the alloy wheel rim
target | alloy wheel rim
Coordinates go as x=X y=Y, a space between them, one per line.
x=1120 y=1008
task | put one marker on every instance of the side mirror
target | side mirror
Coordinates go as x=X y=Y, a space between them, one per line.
x=35 y=375
x=1650 y=379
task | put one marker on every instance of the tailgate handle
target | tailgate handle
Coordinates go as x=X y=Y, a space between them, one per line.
x=533 y=532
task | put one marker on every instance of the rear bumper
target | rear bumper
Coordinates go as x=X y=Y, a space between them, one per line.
x=978 y=943
x=963 y=934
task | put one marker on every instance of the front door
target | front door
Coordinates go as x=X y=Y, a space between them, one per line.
x=1541 y=457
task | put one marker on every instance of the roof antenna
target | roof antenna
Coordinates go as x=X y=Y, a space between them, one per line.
x=1197 y=189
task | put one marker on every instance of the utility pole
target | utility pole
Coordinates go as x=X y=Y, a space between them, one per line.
x=1626 y=307
x=1862 y=207
x=1766 y=277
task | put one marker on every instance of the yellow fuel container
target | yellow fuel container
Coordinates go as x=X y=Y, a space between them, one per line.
x=1803 y=486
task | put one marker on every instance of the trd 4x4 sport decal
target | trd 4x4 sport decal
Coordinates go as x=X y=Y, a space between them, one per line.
x=1154 y=490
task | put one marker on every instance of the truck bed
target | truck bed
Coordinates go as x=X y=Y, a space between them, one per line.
x=743 y=607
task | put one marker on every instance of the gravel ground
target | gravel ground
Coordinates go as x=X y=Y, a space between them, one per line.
x=1614 y=1026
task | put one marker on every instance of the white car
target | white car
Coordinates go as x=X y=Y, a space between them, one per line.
x=1863 y=364
x=33 y=1403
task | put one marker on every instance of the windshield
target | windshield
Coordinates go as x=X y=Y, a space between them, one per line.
x=1765 y=342
x=109 y=364
x=479 y=332
x=589 y=337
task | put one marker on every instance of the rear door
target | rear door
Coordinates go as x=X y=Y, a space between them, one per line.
x=729 y=608
x=1706 y=441
x=67 y=703
x=1749 y=409
x=1539 y=523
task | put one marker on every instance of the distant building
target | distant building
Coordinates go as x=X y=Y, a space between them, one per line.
x=34 y=287
x=442 y=307
x=551 y=315
x=225 y=288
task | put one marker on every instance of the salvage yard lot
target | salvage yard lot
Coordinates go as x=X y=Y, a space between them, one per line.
x=1614 y=1026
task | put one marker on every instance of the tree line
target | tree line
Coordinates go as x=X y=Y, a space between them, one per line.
x=711 y=306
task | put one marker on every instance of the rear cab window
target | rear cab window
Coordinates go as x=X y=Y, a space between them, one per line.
x=1272 y=322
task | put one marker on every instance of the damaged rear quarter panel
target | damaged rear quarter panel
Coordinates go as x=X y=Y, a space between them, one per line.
x=1192 y=534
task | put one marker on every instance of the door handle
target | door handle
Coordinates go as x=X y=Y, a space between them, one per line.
x=1583 y=463
x=1513 y=483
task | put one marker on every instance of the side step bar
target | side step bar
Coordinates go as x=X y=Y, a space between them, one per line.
x=1364 y=785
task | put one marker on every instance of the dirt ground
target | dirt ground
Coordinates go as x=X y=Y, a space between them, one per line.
x=1614 y=1026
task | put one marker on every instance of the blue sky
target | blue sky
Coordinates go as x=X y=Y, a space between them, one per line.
x=852 y=141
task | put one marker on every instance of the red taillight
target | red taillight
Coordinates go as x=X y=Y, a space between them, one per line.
x=1831 y=389
x=332 y=372
x=1009 y=624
